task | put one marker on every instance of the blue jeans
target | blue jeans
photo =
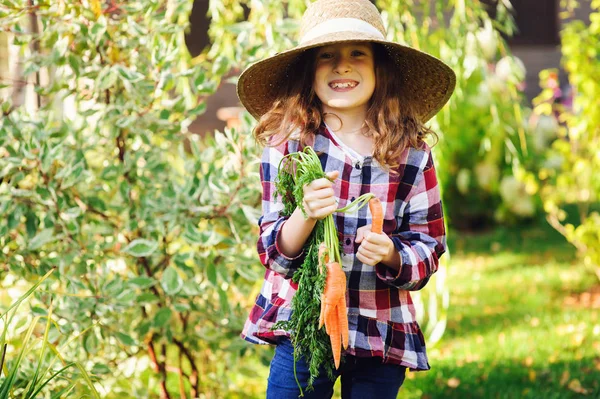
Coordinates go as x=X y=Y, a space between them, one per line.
x=362 y=378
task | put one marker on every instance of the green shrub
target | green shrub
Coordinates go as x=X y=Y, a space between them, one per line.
x=151 y=232
x=568 y=181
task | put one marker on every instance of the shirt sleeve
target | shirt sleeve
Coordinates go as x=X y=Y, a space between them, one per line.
x=271 y=220
x=421 y=237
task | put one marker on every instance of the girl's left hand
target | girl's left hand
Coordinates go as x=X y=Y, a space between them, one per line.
x=374 y=248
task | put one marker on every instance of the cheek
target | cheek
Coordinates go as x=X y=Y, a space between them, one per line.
x=371 y=74
x=319 y=82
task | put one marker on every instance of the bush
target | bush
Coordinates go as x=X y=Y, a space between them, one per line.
x=568 y=181
x=150 y=231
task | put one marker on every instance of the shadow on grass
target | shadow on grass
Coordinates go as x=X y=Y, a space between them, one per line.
x=506 y=380
x=538 y=239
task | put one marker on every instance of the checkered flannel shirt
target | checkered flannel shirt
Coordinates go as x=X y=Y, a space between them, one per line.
x=381 y=314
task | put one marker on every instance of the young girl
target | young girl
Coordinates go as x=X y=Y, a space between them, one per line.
x=360 y=101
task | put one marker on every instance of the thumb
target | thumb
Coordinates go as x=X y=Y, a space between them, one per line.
x=360 y=233
x=333 y=175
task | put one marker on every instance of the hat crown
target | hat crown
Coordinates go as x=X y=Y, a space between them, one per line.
x=322 y=11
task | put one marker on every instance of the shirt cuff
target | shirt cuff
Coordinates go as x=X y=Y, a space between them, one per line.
x=386 y=273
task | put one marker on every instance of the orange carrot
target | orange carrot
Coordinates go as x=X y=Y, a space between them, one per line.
x=335 y=287
x=333 y=305
x=322 y=314
x=377 y=215
x=334 y=314
x=335 y=338
x=342 y=314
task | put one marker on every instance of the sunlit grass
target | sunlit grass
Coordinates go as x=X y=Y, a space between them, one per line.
x=512 y=330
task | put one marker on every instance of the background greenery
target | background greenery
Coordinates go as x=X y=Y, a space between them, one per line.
x=150 y=231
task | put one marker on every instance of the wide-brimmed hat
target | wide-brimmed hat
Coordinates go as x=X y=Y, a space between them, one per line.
x=426 y=81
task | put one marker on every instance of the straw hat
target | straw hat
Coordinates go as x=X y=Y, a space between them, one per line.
x=427 y=80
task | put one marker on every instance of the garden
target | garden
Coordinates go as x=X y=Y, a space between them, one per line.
x=128 y=259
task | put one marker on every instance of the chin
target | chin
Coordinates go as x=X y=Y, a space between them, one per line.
x=342 y=104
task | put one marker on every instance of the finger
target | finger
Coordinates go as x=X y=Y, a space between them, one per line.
x=321 y=193
x=360 y=233
x=375 y=251
x=333 y=175
x=359 y=236
x=366 y=252
x=325 y=206
x=320 y=183
x=317 y=203
x=375 y=239
x=365 y=260
x=322 y=212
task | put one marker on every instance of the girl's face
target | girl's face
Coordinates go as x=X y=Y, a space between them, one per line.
x=345 y=76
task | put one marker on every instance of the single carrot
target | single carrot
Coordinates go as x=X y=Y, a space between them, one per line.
x=335 y=289
x=342 y=313
x=376 y=215
x=335 y=338
x=333 y=310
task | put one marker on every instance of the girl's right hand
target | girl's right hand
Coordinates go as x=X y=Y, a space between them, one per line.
x=319 y=200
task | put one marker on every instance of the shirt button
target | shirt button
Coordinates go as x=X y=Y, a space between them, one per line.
x=352 y=199
x=348 y=241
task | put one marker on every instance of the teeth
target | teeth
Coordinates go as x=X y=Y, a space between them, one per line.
x=343 y=85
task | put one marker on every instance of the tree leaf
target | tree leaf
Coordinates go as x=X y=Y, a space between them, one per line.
x=43 y=237
x=146 y=297
x=170 y=281
x=162 y=317
x=141 y=247
x=142 y=282
x=224 y=301
x=125 y=339
x=211 y=273
x=100 y=368
x=90 y=343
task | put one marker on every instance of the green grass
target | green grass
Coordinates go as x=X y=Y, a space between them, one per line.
x=512 y=331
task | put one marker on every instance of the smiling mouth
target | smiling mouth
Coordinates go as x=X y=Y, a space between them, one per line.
x=343 y=85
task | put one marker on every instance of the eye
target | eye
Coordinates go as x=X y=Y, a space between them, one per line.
x=325 y=55
x=358 y=53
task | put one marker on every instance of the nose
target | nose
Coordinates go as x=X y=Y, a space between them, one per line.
x=342 y=65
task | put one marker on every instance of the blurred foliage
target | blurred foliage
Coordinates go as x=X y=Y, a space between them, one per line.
x=151 y=231
x=567 y=180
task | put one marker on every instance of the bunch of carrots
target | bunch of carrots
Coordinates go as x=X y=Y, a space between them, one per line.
x=334 y=314
x=320 y=299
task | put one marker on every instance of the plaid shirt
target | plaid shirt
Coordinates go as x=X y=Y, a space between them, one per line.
x=381 y=314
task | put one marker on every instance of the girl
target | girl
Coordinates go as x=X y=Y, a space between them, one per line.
x=360 y=101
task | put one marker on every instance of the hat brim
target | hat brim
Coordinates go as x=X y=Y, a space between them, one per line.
x=426 y=81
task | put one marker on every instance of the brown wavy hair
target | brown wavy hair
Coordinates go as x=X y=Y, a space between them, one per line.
x=391 y=119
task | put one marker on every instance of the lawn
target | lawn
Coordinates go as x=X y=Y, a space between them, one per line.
x=523 y=321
